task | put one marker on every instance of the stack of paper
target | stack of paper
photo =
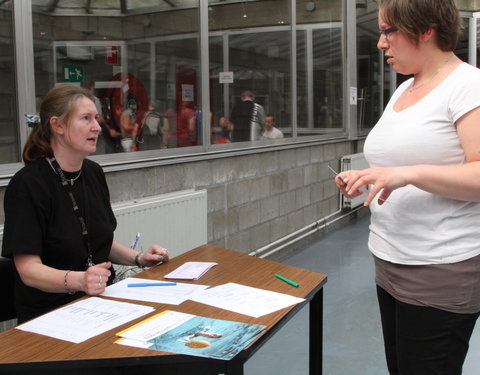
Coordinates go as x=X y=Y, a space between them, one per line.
x=176 y=332
x=190 y=270
x=84 y=319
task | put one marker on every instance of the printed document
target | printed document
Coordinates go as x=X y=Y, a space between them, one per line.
x=84 y=319
x=245 y=299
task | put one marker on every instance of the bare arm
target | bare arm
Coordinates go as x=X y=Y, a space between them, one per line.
x=40 y=276
x=121 y=254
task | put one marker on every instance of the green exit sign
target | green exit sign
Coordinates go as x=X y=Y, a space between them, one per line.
x=72 y=73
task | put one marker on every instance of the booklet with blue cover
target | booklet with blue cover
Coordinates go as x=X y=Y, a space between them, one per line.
x=181 y=333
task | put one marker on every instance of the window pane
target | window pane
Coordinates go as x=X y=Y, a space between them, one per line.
x=9 y=138
x=250 y=52
x=177 y=85
x=319 y=69
x=369 y=65
x=141 y=61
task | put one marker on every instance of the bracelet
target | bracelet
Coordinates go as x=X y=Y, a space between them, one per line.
x=65 y=282
x=137 y=260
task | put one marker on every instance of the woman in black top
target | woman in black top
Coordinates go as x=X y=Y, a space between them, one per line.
x=58 y=220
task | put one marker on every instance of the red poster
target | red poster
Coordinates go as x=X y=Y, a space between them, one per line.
x=112 y=55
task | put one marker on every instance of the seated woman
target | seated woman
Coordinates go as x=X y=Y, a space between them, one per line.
x=59 y=224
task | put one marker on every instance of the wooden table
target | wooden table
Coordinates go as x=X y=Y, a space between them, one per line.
x=24 y=352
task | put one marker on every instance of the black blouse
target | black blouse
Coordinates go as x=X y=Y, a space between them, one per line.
x=39 y=220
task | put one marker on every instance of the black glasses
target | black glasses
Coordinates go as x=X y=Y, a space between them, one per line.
x=388 y=31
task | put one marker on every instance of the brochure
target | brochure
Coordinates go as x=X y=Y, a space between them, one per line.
x=181 y=333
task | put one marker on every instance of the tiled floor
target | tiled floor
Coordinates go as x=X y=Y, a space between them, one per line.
x=352 y=334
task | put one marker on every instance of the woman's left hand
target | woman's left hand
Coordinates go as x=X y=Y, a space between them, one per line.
x=154 y=255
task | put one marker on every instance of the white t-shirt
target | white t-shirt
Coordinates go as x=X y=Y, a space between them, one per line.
x=274 y=133
x=413 y=226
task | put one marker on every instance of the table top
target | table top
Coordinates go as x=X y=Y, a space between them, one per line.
x=18 y=347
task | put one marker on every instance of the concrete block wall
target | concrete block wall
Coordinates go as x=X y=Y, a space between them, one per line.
x=252 y=199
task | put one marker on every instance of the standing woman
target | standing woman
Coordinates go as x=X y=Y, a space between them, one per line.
x=58 y=220
x=424 y=154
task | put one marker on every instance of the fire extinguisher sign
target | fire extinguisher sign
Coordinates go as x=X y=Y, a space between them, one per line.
x=112 y=55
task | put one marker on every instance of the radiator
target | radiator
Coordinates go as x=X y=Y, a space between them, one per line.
x=353 y=161
x=177 y=221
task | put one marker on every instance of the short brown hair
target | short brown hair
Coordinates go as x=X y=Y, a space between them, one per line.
x=60 y=101
x=415 y=17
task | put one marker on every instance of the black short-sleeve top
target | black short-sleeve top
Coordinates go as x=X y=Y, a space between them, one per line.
x=39 y=220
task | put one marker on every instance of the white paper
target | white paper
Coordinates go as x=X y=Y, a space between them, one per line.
x=156 y=326
x=187 y=93
x=225 y=77
x=245 y=300
x=134 y=343
x=84 y=319
x=190 y=270
x=172 y=295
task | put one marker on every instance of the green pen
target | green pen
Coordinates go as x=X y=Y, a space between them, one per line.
x=293 y=283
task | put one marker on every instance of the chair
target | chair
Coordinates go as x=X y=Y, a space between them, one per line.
x=7 y=311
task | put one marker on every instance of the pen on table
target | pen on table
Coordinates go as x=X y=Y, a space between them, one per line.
x=133 y=285
x=293 y=283
x=135 y=243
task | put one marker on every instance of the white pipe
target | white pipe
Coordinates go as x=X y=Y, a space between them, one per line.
x=316 y=225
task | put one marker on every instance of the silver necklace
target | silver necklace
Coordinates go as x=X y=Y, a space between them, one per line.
x=413 y=88
x=71 y=180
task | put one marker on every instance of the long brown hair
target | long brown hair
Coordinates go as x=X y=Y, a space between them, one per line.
x=60 y=101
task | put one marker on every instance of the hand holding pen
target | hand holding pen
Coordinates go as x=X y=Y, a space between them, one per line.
x=154 y=255
x=380 y=181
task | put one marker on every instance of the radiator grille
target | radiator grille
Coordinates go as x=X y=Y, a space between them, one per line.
x=353 y=161
x=177 y=221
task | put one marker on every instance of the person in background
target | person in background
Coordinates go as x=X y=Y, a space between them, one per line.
x=111 y=131
x=59 y=225
x=269 y=129
x=247 y=118
x=186 y=131
x=424 y=191
x=129 y=129
x=226 y=130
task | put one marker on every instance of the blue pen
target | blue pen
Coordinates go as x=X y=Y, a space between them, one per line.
x=150 y=284
x=135 y=243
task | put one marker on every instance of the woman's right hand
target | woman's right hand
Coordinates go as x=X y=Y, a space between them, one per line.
x=341 y=180
x=95 y=278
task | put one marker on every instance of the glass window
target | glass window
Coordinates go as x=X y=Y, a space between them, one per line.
x=319 y=68
x=141 y=62
x=250 y=70
x=9 y=137
x=369 y=74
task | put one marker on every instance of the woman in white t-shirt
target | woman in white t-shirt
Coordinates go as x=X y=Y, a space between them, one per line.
x=424 y=191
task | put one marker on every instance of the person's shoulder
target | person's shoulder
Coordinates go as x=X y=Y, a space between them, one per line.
x=90 y=165
x=32 y=170
x=467 y=72
x=33 y=176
